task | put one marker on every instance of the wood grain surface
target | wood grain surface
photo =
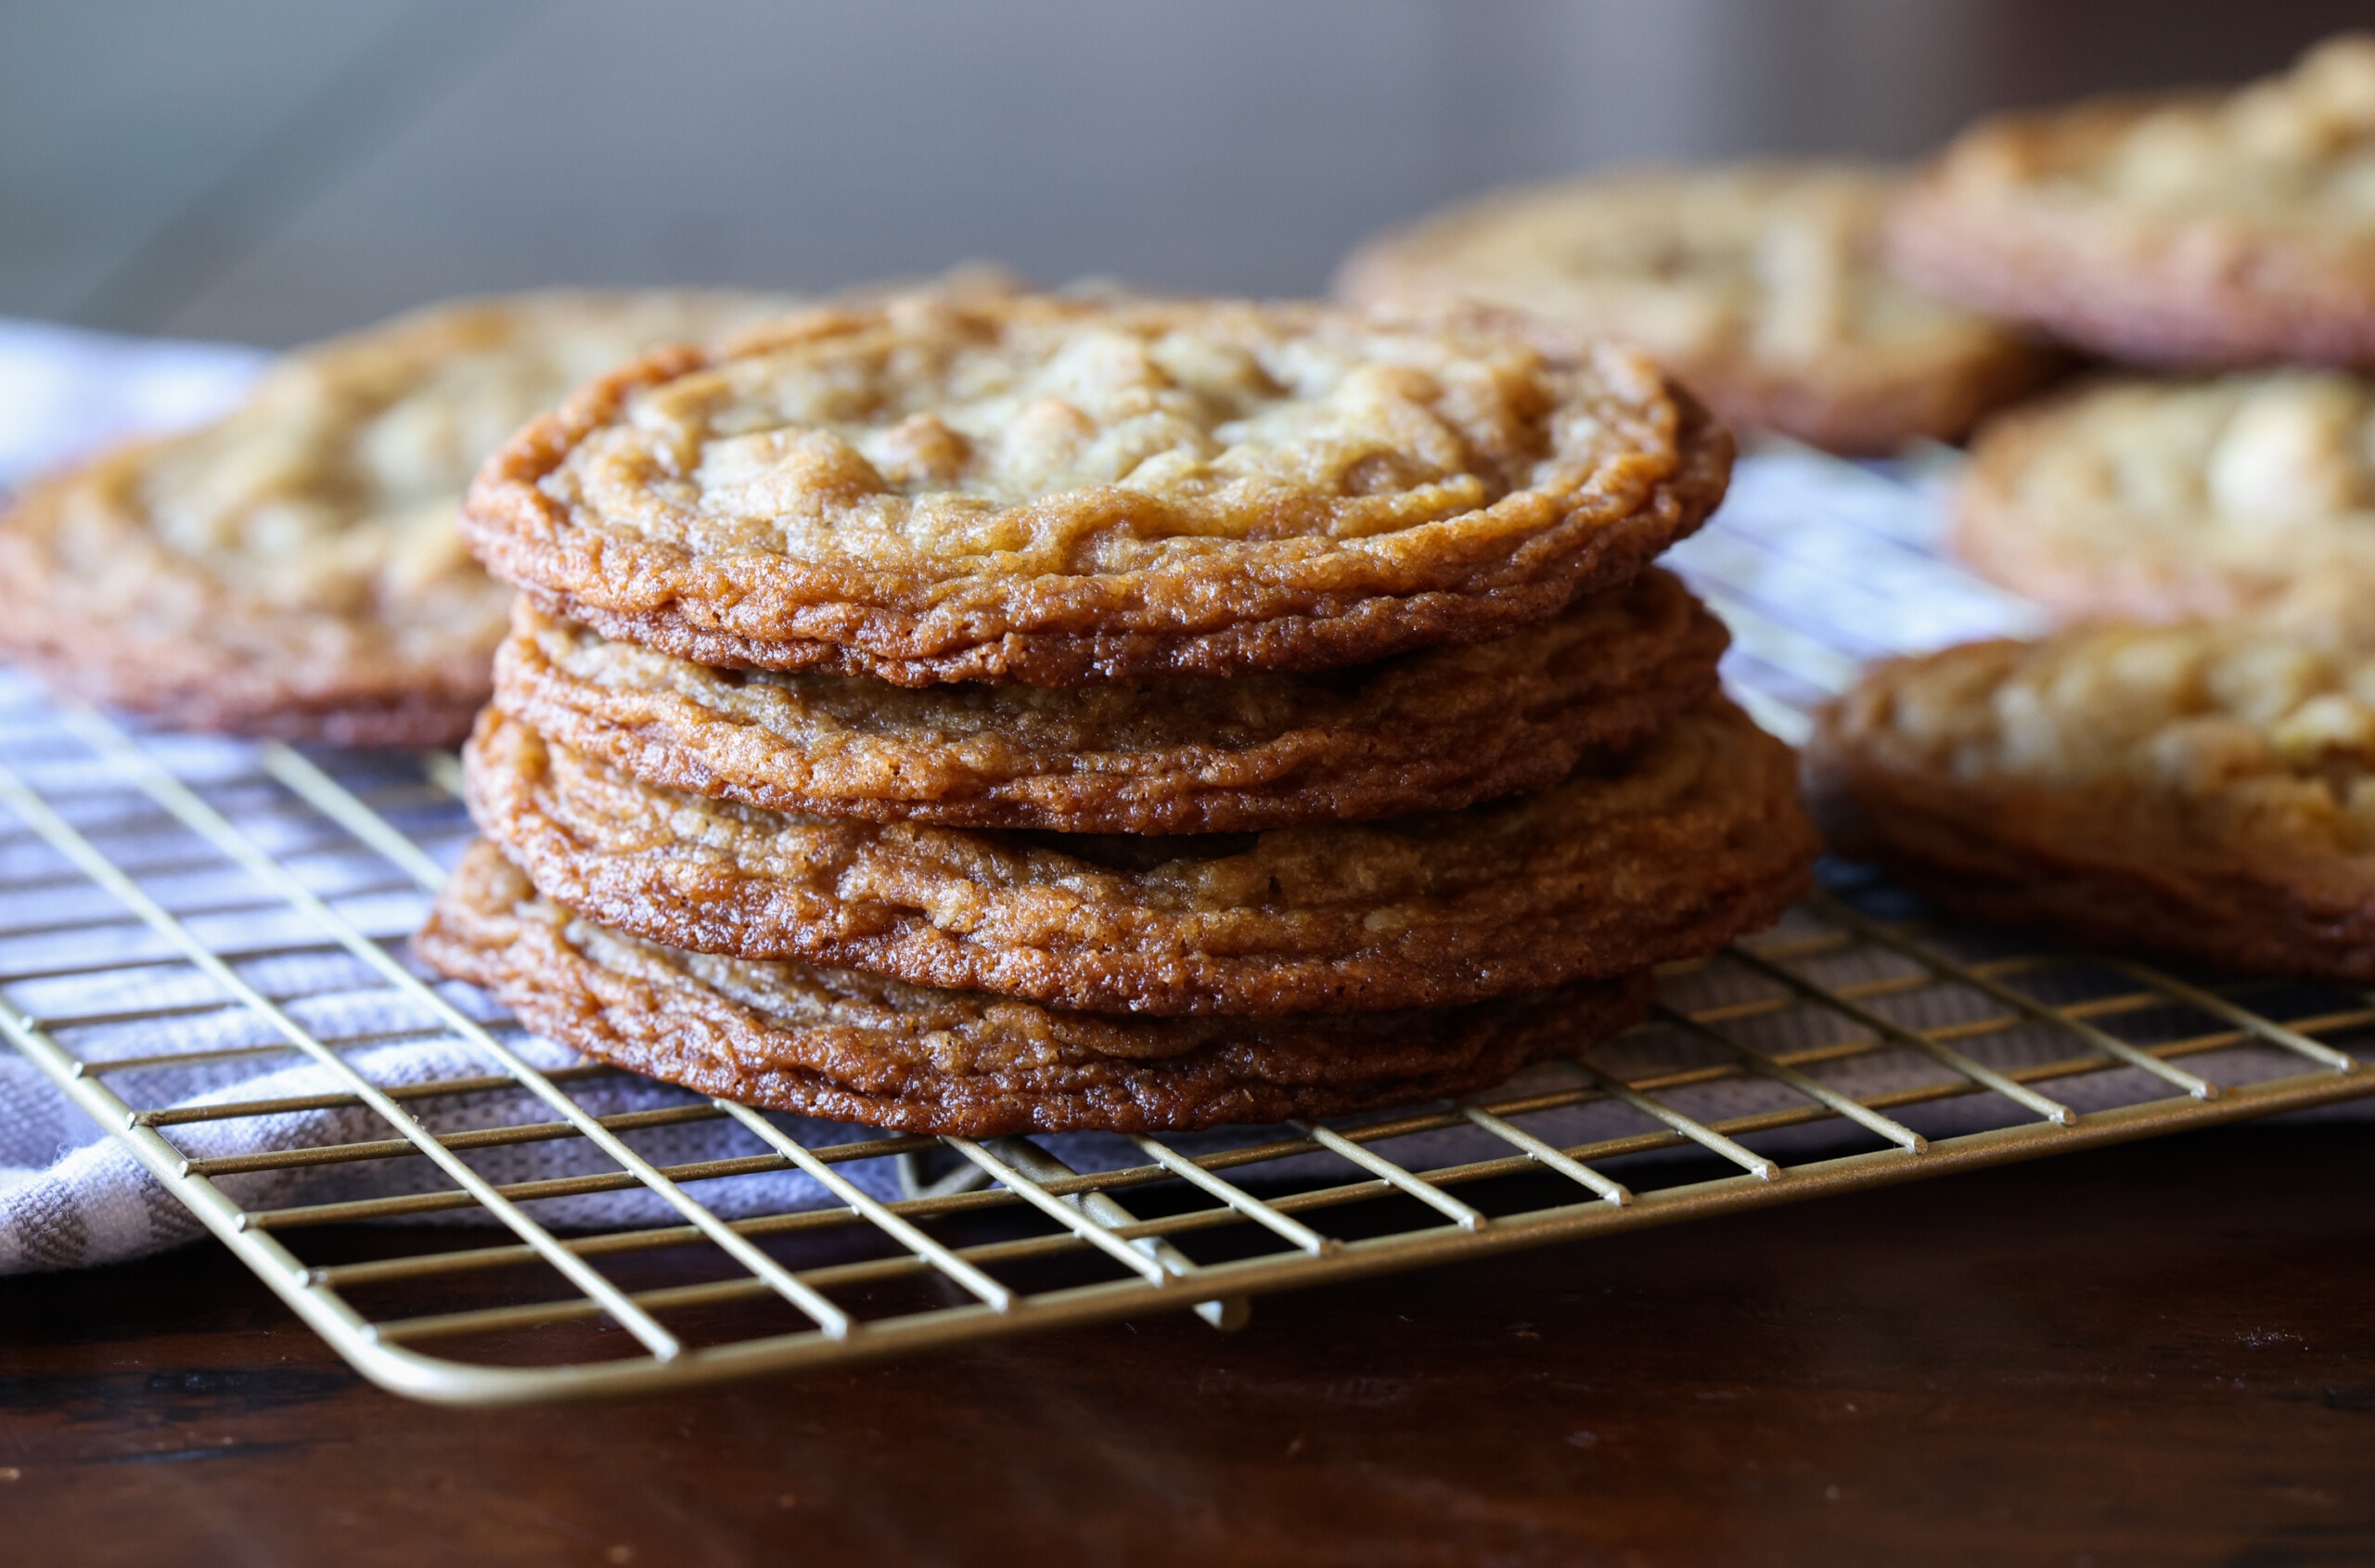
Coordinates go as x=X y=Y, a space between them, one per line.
x=2159 y=1354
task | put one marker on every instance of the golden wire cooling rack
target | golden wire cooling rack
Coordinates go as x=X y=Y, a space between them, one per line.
x=170 y=909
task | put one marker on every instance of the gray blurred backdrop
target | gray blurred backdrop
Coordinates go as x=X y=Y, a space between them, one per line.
x=272 y=170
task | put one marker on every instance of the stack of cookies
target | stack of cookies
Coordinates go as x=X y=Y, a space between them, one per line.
x=2202 y=780
x=977 y=717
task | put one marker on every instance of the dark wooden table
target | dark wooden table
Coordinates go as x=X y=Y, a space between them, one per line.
x=2161 y=1353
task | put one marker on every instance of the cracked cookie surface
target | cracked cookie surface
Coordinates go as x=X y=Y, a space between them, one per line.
x=1057 y=491
x=1433 y=731
x=1760 y=285
x=853 y=1047
x=1638 y=857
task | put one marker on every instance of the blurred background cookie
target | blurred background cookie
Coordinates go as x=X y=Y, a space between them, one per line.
x=2199 y=228
x=2205 y=789
x=1760 y=285
x=2160 y=499
x=292 y=569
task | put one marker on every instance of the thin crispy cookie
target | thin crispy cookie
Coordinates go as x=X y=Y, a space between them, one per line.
x=2205 y=789
x=1760 y=285
x=1054 y=492
x=292 y=569
x=2158 y=499
x=1429 y=731
x=2204 y=229
x=852 y=1048
x=1635 y=859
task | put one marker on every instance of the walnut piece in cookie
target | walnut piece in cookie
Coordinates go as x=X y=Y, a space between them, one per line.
x=853 y=1047
x=1433 y=731
x=2164 y=499
x=1057 y=491
x=2205 y=789
x=2194 y=229
x=1639 y=857
x=1760 y=285
x=292 y=569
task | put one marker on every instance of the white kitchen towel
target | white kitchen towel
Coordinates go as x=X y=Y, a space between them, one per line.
x=1816 y=563
x=65 y=391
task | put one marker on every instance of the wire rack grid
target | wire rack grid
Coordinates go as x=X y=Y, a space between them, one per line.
x=178 y=917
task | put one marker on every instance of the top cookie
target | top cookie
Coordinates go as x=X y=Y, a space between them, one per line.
x=2205 y=228
x=2156 y=500
x=1053 y=491
x=1760 y=285
x=2206 y=788
x=292 y=569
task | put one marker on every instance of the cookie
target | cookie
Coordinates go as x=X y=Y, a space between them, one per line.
x=2205 y=789
x=1056 y=491
x=1429 y=731
x=852 y=1048
x=2203 y=229
x=292 y=569
x=1760 y=285
x=1635 y=858
x=2159 y=500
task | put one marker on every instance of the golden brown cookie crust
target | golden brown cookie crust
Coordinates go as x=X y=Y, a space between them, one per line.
x=1636 y=859
x=2203 y=229
x=851 y=1048
x=1434 y=730
x=2205 y=789
x=292 y=571
x=2159 y=500
x=1052 y=491
x=1760 y=285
